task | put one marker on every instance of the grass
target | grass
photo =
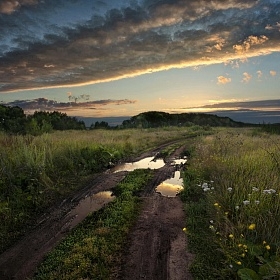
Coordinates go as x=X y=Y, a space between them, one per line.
x=92 y=250
x=35 y=172
x=233 y=205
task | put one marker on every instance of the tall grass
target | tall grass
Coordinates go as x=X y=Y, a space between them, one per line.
x=237 y=175
x=36 y=171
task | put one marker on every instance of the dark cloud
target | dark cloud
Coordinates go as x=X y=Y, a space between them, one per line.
x=10 y=6
x=261 y=104
x=44 y=104
x=81 y=42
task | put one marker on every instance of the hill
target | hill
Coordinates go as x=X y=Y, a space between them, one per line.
x=161 y=119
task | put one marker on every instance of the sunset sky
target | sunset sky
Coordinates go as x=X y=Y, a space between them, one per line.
x=112 y=58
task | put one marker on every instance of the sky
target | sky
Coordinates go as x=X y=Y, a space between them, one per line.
x=109 y=58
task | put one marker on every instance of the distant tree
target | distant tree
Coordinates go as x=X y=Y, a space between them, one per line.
x=98 y=125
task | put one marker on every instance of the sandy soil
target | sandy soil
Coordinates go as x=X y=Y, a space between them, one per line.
x=156 y=247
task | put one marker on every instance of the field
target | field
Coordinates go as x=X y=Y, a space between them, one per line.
x=231 y=198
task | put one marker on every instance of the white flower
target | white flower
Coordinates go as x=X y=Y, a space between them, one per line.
x=229 y=189
x=272 y=191
x=211 y=221
x=236 y=207
x=246 y=202
x=204 y=185
x=212 y=188
x=254 y=189
x=257 y=201
x=267 y=191
x=206 y=189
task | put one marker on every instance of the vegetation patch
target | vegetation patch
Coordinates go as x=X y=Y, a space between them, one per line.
x=232 y=198
x=92 y=250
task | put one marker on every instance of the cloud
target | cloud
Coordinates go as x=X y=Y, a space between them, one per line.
x=223 y=80
x=249 y=105
x=259 y=73
x=120 y=39
x=246 y=77
x=44 y=104
x=10 y=6
x=249 y=42
x=272 y=73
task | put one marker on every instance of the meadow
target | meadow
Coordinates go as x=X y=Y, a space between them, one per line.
x=231 y=197
x=37 y=171
x=232 y=201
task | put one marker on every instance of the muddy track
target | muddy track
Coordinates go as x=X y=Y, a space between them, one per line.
x=156 y=244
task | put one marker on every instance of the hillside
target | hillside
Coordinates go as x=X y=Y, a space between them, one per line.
x=161 y=119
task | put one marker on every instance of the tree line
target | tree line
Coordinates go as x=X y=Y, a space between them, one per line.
x=13 y=120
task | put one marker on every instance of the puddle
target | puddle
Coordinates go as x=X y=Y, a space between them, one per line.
x=171 y=187
x=180 y=161
x=88 y=205
x=149 y=162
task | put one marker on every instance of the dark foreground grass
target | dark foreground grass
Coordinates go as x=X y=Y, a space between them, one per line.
x=92 y=250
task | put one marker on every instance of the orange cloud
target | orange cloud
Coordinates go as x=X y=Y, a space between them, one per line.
x=223 y=80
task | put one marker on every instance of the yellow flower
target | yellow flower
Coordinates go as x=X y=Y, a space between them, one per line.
x=230 y=236
x=226 y=213
x=245 y=246
x=216 y=204
x=243 y=255
x=240 y=245
x=239 y=263
x=267 y=247
x=264 y=242
x=252 y=226
x=184 y=229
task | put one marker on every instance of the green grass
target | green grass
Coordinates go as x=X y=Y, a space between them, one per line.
x=237 y=211
x=35 y=172
x=92 y=250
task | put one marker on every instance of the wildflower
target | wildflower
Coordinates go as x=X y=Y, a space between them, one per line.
x=246 y=202
x=239 y=263
x=243 y=255
x=231 y=236
x=257 y=201
x=236 y=207
x=229 y=189
x=211 y=227
x=264 y=242
x=216 y=204
x=206 y=189
x=252 y=226
x=254 y=189
x=267 y=247
x=245 y=246
x=231 y=266
x=239 y=245
x=226 y=213
x=211 y=221
x=184 y=229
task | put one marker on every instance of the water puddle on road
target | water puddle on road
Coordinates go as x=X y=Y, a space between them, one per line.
x=88 y=205
x=149 y=162
x=171 y=187
x=180 y=161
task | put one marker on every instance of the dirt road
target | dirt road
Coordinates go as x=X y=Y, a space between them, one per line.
x=156 y=248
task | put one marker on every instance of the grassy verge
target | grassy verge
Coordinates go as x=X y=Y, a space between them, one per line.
x=232 y=199
x=92 y=250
